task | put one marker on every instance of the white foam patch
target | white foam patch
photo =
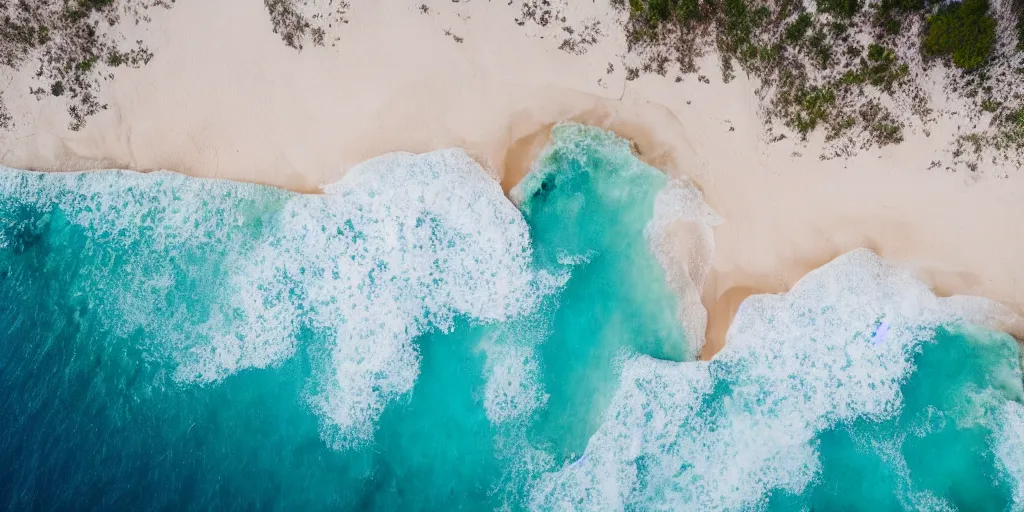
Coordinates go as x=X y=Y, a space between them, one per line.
x=512 y=389
x=606 y=476
x=679 y=235
x=680 y=200
x=1009 y=449
x=402 y=245
x=910 y=498
x=156 y=205
x=564 y=258
x=794 y=363
x=163 y=213
x=579 y=140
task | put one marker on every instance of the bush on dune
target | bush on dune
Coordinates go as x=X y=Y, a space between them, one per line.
x=963 y=30
x=1020 y=30
x=840 y=8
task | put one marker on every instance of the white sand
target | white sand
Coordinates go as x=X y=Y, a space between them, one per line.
x=224 y=97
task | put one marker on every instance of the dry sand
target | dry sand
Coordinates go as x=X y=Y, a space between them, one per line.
x=224 y=98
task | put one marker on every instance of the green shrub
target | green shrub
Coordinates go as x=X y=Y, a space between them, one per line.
x=796 y=30
x=86 y=64
x=115 y=59
x=6 y=120
x=813 y=106
x=886 y=133
x=840 y=8
x=1016 y=118
x=660 y=10
x=654 y=12
x=1020 y=31
x=881 y=69
x=737 y=27
x=820 y=49
x=878 y=53
x=890 y=7
x=688 y=10
x=891 y=16
x=891 y=26
x=989 y=105
x=963 y=30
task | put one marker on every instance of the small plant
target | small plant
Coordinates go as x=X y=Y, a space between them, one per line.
x=5 y=116
x=878 y=53
x=115 y=59
x=660 y=10
x=820 y=49
x=289 y=21
x=838 y=128
x=1016 y=118
x=812 y=106
x=69 y=41
x=1013 y=131
x=989 y=105
x=889 y=14
x=816 y=64
x=688 y=11
x=840 y=8
x=886 y=133
x=1020 y=30
x=796 y=30
x=737 y=27
x=881 y=69
x=963 y=30
x=891 y=26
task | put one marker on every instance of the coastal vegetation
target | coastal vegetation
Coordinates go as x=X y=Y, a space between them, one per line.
x=76 y=44
x=852 y=70
x=5 y=115
x=963 y=30
x=298 y=20
x=1020 y=30
x=1007 y=137
x=850 y=73
x=73 y=45
x=1014 y=133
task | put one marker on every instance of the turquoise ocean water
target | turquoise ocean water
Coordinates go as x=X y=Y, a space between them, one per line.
x=412 y=340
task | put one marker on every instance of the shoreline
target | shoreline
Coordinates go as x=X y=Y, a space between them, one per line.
x=239 y=105
x=735 y=275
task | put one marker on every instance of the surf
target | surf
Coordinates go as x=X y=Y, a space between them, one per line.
x=412 y=339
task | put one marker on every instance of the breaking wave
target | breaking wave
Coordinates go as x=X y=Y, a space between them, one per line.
x=412 y=340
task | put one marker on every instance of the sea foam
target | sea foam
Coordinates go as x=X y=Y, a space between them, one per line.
x=608 y=223
x=729 y=433
x=454 y=350
x=402 y=245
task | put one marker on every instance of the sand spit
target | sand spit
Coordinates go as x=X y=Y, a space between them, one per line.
x=223 y=97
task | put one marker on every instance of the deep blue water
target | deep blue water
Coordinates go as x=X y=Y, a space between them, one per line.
x=412 y=340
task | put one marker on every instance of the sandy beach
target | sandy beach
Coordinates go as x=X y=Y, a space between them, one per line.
x=223 y=97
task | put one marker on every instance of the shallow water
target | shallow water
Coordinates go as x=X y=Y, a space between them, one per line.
x=411 y=340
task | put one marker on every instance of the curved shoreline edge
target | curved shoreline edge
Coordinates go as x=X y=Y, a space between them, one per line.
x=683 y=244
x=239 y=105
